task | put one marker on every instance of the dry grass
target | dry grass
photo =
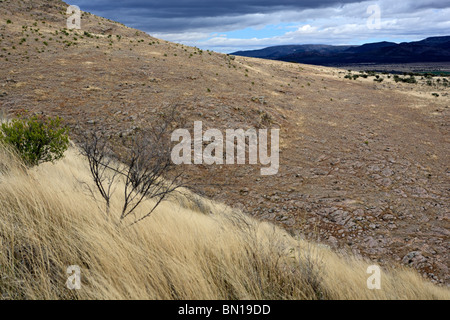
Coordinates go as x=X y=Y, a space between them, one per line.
x=190 y=248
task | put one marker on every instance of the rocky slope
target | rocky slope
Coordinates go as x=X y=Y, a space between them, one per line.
x=363 y=165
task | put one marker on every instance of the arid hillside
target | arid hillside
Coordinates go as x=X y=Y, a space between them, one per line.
x=190 y=249
x=364 y=165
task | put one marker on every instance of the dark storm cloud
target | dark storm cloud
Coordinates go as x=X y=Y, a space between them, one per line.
x=207 y=23
x=205 y=8
x=183 y=15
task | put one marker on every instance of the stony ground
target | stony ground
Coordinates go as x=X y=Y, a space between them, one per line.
x=364 y=165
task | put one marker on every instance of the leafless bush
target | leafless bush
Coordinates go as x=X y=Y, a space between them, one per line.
x=143 y=161
x=104 y=170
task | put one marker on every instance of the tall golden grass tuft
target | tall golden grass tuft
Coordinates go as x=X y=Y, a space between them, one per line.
x=190 y=248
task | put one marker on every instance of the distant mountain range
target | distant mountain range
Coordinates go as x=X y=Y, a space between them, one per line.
x=434 y=49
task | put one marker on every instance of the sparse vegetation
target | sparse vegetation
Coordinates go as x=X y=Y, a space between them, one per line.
x=411 y=79
x=190 y=247
x=223 y=253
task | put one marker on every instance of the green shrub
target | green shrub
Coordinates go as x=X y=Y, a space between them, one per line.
x=411 y=79
x=36 y=140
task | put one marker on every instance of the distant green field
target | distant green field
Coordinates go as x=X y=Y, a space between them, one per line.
x=437 y=73
x=416 y=69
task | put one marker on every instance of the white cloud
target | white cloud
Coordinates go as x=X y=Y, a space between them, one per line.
x=347 y=24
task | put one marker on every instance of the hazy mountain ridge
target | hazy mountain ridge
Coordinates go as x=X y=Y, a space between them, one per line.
x=433 y=49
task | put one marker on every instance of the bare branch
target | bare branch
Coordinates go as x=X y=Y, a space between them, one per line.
x=146 y=166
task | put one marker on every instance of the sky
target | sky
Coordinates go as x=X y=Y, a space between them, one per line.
x=229 y=26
